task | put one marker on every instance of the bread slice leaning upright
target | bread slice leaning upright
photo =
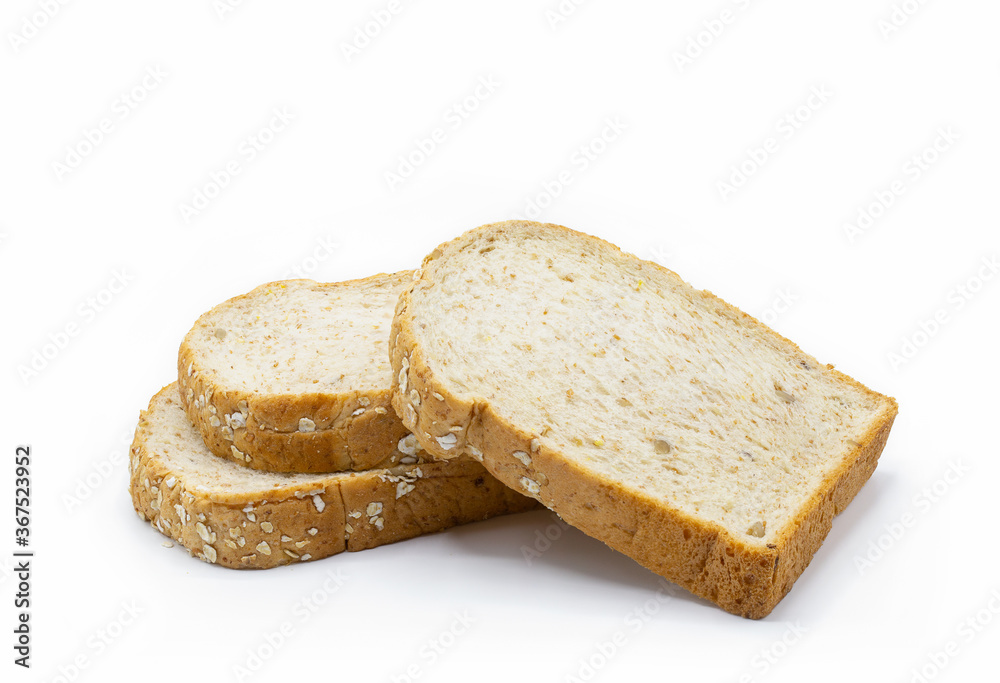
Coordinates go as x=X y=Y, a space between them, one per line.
x=242 y=518
x=649 y=414
x=294 y=376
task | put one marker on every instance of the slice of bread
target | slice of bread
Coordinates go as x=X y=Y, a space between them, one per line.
x=243 y=518
x=649 y=414
x=294 y=376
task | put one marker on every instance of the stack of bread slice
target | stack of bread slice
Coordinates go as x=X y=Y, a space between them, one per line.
x=651 y=415
x=278 y=443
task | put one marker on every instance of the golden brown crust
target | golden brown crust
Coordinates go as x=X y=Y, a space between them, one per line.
x=274 y=527
x=742 y=577
x=353 y=430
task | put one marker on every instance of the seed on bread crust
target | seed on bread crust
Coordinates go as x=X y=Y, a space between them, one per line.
x=447 y=442
x=530 y=485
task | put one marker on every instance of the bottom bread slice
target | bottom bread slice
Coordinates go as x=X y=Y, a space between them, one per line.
x=247 y=519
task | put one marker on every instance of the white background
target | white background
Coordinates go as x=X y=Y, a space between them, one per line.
x=654 y=189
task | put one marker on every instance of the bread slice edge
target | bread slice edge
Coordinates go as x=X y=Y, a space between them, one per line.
x=341 y=511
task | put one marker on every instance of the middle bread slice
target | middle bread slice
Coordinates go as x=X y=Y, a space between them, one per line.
x=294 y=376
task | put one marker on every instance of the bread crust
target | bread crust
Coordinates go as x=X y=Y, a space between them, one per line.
x=744 y=578
x=266 y=435
x=270 y=528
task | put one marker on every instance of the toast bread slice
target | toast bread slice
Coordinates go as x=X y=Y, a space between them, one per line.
x=294 y=376
x=651 y=415
x=243 y=518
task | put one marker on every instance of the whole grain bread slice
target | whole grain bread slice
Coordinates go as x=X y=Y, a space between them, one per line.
x=649 y=414
x=242 y=518
x=294 y=376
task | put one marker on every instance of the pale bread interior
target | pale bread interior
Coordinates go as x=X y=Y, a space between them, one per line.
x=645 y=381
x=300 y=337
